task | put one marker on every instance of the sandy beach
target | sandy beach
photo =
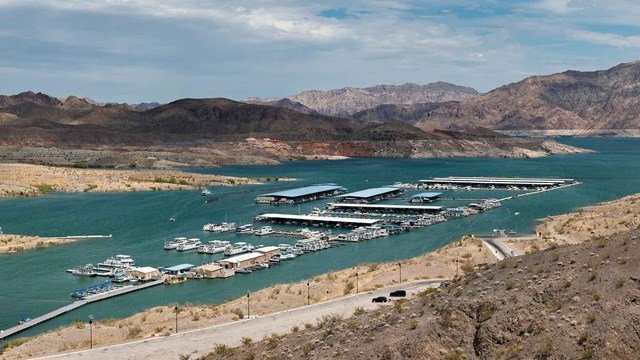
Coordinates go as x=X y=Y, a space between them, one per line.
x=30 y=180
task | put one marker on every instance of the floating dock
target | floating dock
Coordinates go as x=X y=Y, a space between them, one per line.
x=307 y=193
x=76 y=304
x=494 y=182
x=384 y=209
x=312 y=220
x=371 y=195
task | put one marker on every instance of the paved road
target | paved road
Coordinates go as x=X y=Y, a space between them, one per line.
x=499 y=249
x=201 y=341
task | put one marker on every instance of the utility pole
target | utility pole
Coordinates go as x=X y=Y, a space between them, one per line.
x=400 y=265
x=308 y=295
x=357 y=288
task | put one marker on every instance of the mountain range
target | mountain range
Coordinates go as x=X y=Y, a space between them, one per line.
x=606 y=99
x=350 y=100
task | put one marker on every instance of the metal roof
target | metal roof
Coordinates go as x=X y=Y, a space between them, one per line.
x=364 y=194
x=497 y=180
x=242 y=257
x=374 y=206
x=266 y=249
x=429 y=195
x=304 y=191
x=330 y=219
x=179 y=267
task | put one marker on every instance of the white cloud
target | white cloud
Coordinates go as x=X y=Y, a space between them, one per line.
x=607 y=39
x=556 y=6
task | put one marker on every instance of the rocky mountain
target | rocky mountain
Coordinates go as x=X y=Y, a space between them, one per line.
x=349 y=100
x=606 y=99
x=567 y=302
x=283 y=103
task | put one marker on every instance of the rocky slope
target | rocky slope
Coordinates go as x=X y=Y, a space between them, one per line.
x=569 y=302
x=349 y=100
x=607 y=99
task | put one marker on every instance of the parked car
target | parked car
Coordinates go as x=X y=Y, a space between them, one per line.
x=379 y=299
x=398 y=293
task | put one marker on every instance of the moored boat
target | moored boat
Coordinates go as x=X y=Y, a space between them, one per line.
x=265 y=230
x=190 y=244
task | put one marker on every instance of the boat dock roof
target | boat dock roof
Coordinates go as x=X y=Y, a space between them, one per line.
x=368 y=193
x=386 y=208
x=320 y=220
x=304 y=191
x=497 y=181
x=241 y=258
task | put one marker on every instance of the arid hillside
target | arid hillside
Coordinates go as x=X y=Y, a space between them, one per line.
x=566 y=302
x=606 y=99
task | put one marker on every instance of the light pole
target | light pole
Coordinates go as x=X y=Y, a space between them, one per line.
x=90 y=331
x=400 y=265
x=176 y=318
x=357 y=288
x=308 y=294
x=248 y=310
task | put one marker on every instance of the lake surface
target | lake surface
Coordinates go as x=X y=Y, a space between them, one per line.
x=35 y=282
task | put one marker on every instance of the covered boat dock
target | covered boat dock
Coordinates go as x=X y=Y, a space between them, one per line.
x=311 y=220
x=307 y=193
x=494 y=182
x=371 y=195
x=425 y=197
x=384 y=209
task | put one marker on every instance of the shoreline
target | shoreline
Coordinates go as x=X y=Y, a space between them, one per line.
x=24 y=180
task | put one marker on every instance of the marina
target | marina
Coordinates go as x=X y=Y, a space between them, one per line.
x=127 y=211
x=371 y=209
x=425 y=197
x=307 y=193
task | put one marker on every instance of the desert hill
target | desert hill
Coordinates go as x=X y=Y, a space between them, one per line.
x=606 y=99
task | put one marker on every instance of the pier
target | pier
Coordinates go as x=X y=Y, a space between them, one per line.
x=78 y=237
x=76 y=304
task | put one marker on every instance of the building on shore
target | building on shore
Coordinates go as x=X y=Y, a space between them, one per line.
x=211 y=271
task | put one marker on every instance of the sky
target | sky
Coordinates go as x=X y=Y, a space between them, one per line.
x=163 y=50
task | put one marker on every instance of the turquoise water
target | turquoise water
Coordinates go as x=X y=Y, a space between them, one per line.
x=35 y=282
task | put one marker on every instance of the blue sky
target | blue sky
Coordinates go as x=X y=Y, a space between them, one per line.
x=155 y=50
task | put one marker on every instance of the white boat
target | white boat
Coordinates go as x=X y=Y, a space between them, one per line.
x=238 y=248
x=214 y=247
x=173 y=244
x=113 y=265
x=244 y=229
x=190 y=244
x=83 y=270
x=206 y=192
x=265 y=230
